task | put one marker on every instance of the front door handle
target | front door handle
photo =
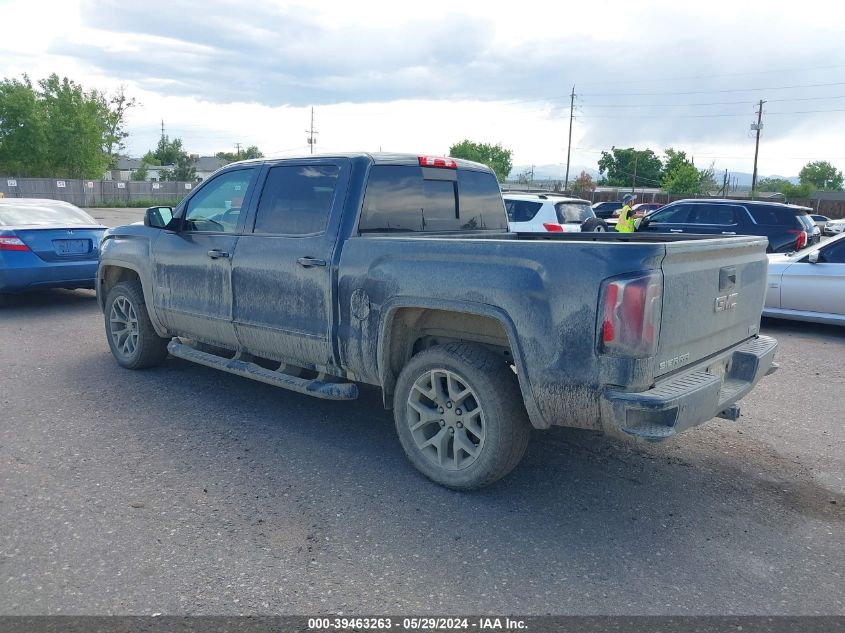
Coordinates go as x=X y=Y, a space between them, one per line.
x=216 y=253
x=728 y=232
x=310 y=262
x=676 y=230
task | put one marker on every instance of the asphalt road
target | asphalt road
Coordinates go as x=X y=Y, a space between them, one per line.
x=182 y=490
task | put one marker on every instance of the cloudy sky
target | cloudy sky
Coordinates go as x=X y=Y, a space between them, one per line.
x=419 y=76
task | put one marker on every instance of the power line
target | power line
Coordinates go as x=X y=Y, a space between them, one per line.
x=705 y=92
x=740 y=74
x=706 y=103
x=697 y=116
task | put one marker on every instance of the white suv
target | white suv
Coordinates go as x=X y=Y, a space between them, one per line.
x=548 y=212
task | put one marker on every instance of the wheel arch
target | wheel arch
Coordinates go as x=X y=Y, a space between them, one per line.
x=113 y=273
x=409 y=326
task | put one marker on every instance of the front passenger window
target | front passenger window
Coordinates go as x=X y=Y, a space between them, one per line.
x=216 y=207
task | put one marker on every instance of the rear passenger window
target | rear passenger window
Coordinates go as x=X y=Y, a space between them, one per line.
x=715 y=214
x=296 y=199
x=522 y=210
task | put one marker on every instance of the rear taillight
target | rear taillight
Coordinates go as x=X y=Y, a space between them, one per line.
x=437 y=161
x=630 y=318
x=553 y=228
x=800 y=238
x=12 y=244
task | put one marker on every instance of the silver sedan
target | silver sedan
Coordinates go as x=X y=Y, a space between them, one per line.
x=808 y=285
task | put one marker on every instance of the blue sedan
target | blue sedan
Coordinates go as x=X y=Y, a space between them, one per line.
x=46 y=244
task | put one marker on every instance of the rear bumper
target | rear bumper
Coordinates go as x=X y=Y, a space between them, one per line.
x=692 y=397
x=20 y=276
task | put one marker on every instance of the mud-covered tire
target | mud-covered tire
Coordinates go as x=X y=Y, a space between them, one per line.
x=496 y=445
x=137 y=345
x=591 y=225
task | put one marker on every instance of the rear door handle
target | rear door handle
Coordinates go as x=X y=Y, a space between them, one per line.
x=216 y=253
x=310 y=262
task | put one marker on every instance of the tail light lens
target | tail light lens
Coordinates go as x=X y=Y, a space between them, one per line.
x=800 y=238
x=553 y=228
x=12 y=244
x=630 y=315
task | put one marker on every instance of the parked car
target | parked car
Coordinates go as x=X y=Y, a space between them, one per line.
x=834 y=227
x=605 y=210
x=543 y=213
x=787 y=227
x=808 y=285
x=46 y=244
x=819 y=220
x=317 y=273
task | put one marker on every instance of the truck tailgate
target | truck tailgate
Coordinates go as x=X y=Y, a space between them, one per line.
x=713 y=294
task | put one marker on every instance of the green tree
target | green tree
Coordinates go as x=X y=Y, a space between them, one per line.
x=583 y=185
x=773 y=184
x=116 y=133
x=150 y=159
x=185 y=170
x=802 y=191
x=249 y=153
x=708 y=179
x=617 y=167
x=674 y=159
x=167 y=152
x=684 y=178
x=821 y=175
x=140 y=174
x=23 y=134
x=499 y=159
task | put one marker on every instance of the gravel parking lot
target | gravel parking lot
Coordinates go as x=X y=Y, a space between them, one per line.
x=182 y=490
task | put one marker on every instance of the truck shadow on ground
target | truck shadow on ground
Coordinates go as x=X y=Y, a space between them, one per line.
x=36 y=302
x=580 y=504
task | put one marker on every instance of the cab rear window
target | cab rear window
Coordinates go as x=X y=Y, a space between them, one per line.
x=400 y=199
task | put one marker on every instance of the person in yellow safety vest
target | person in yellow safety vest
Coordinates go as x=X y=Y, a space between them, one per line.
x=625 y=224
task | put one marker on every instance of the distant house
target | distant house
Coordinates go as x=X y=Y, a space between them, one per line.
x=207 y=165
x=204 y=165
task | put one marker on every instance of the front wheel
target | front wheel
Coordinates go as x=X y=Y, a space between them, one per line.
x=130 y=333
x=460 y=416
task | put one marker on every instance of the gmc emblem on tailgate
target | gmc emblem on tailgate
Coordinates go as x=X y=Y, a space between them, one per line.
x=726 y=302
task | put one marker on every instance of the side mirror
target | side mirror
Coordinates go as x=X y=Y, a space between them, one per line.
x=813 y=257
x=158 y=217
x=644 y=222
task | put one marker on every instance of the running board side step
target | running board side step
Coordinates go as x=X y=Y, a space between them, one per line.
x=317 y=388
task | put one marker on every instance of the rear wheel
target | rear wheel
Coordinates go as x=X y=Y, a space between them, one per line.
x=460 y=416
x=130 y=333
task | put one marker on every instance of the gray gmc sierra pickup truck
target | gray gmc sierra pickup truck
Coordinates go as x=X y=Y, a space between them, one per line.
x=318 y=273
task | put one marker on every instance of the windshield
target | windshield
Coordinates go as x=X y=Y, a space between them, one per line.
x=572 y=212
x=43 y=215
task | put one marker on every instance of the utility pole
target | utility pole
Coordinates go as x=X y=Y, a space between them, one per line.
x=531 y=182
x=725 y=184
x=634 y=181
x=311 y=140
x=238 y=146
x=758 y=126
x=569 y=144
x=162 y=128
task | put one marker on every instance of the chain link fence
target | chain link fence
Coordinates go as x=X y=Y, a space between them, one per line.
x=95 y=193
